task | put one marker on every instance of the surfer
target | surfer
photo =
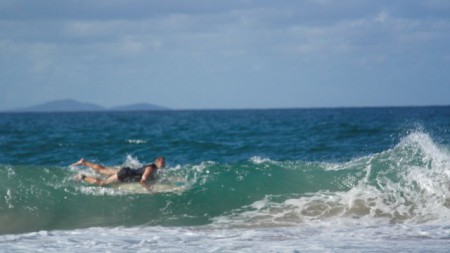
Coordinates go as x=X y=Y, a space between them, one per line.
x=125 y=174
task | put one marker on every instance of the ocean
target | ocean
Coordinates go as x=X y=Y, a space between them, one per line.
x=282 y=180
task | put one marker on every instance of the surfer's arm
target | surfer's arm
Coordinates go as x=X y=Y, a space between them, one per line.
x=145 y=176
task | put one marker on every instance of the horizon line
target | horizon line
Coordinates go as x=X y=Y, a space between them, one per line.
x=112 y=110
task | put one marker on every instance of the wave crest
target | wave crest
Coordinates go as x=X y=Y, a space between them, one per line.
x=406 y=184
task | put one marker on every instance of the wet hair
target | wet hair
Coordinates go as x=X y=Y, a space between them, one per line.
x=160 y=158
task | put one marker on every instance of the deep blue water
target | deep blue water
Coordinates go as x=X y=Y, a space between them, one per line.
x=222 y=136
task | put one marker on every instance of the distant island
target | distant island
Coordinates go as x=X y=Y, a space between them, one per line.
x=70 y=105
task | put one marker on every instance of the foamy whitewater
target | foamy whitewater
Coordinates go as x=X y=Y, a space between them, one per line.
x=318 y=180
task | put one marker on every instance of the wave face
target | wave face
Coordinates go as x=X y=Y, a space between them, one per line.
x=244 y=169
x=408 y=183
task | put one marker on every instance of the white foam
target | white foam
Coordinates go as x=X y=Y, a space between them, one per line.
x=406 y=184
x=333 y=238
x=136 y=141
x=259 y=160
x=132 y=162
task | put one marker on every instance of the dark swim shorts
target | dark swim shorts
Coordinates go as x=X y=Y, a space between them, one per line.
x=129 y=175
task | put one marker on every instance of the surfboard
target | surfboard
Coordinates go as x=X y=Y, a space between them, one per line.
x=166 y=186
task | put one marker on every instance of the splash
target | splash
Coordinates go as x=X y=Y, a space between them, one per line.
x=136 y=141
x=406 y=184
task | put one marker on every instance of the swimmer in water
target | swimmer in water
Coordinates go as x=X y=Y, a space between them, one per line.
x=142 y=175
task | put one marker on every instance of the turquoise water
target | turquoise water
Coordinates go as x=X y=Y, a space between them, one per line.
x=257 y=180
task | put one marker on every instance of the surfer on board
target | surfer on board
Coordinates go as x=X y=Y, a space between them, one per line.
x=125 y=174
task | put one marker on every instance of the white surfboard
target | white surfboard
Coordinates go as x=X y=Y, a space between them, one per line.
x=166 y=186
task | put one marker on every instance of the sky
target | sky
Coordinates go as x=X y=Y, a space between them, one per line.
x=232 y=54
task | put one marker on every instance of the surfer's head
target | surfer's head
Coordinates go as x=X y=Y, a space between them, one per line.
x=160 y=162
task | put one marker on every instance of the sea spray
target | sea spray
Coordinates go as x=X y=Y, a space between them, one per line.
x=406 y=184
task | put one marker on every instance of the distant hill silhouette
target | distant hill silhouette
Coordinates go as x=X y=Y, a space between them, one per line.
x=70 y=105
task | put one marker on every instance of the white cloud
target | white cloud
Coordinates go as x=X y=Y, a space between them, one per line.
x=109 y=43
x=382 y=17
